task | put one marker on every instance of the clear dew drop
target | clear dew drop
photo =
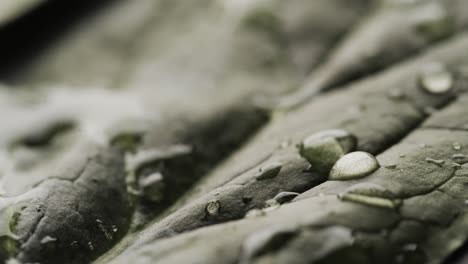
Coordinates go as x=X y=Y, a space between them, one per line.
x=152 y=187
x=90 y=245
x=268 y=171
x=439 y=163
x=212 y=208
x=323 y=149
x=436 y=79
x=456 y=146
x=284 y=197
x=370 y=194
x=353 y=166
x=370 y=200
x=370 y=189
x=48 y=239
x=114 y=229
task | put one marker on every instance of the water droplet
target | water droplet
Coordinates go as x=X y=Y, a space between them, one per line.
x=74 y=244
x=268 y=171
x=354 y=165
x=323 y=149
x=436 y=79
x=48 y=239
x=261 y=242
x=114 y=229
x=458 y=156
x=439 y=163
x=370 y=189
x=456 y=146
x=284 y=197
x=90 y=246
x=152 y=187
x=369 y=200
x=410 y=247
x=212 y=207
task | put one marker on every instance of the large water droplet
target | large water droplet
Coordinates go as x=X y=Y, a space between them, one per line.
x=370 y=189
x=436 y=79
x=369 y=200
x=323 y=149
x=354 y=165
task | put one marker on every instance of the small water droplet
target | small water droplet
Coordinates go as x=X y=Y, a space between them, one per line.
x=48 y=239
x=323 y=149
x=284 y=197
x=439 y=163
x=354 y=165
x=90 y=246
x=74 y=244
x=410 y=247
x=114 y=229
x=456 y=146
x=436 y=79
x=152 y=187
x=212 y=207
x=268 y=171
